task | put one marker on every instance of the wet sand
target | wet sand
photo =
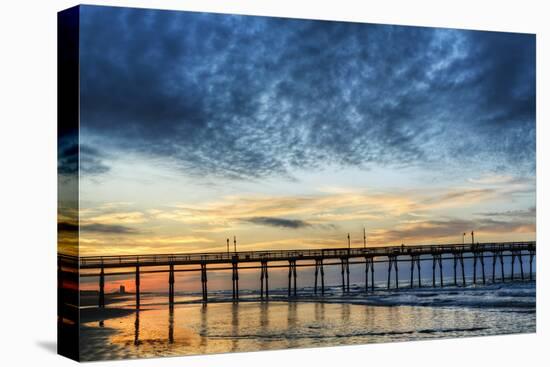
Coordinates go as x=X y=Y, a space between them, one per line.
x=192 y=328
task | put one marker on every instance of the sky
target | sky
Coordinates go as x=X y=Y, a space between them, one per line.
x=289 y=133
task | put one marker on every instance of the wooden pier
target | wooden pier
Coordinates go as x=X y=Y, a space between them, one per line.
x=317 y=258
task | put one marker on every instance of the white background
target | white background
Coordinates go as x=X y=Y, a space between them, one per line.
x=28 y=181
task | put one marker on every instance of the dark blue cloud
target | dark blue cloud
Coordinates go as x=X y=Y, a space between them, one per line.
x=91 y=159
x=279 y=222
x=244 y=97
x=96 y=228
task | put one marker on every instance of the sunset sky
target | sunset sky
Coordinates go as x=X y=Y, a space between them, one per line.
x=292 y=133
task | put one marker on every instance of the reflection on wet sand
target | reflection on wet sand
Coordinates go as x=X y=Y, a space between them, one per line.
x=251 y=326
x=264 y=324
x=136 y=329
x=235 y=327
x=291 y=324
x=204 y=328
x=171 y=325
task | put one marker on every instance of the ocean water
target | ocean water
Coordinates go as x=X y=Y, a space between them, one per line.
x=307 y=321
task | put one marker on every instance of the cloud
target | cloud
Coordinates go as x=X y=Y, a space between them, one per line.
x=67 y=157
x=322 y=211
x=449 y=229
x=110 y=217
x=250 y=97
x=279 y=222
x=91 y=159
x=518 y=213
x=67 y=227
x=108 y=229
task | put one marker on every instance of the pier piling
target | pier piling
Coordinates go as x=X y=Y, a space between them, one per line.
x=392 y=263
x=436 y=261
x=171 y=286
x=292 y=276
x=137 y=287
x=396 y=273
x=513 y=262
x=501 y=256
x=531 y=256
x=494 y=264
x=235 y=278
x=295 y=279
x=415 y=260
x=318 y=269
x=204 y=281
x=475 y=265
x=455 y=263
x=102 y=288
x=482 y=261
x=344 y=262
x=264 y=278
x=461 y=259
x=322 y=278
x=347 y=273
x=520 y=265
x=368 y=264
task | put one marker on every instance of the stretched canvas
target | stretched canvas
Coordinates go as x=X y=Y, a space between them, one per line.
x=233 y=183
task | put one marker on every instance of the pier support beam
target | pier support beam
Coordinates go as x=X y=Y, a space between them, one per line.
x=235 y=279
x=322 y=271
x=347 y=273
x=102 y=288
x=369 y=266
x=344 y=261
x=497 y=254
x=479 y=255
x=204 y=281
x=517 y=254
x=456 y=260
x=475 y=266
x=171 y=286
x=436 y=258
x=264 y=278
x=292 y=275
x=494 y=263
x=319 y=270
x=396 y=272
x=415 y=259
x=482 y=261
x=137 y=287
x=372 y=274
x=461 y=259
x=501 y=256
x=392 y=263
x=520 y=265
x=513 y=262
x=531 y=256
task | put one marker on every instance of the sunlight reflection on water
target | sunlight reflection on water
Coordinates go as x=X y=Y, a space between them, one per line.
x=252 y=326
